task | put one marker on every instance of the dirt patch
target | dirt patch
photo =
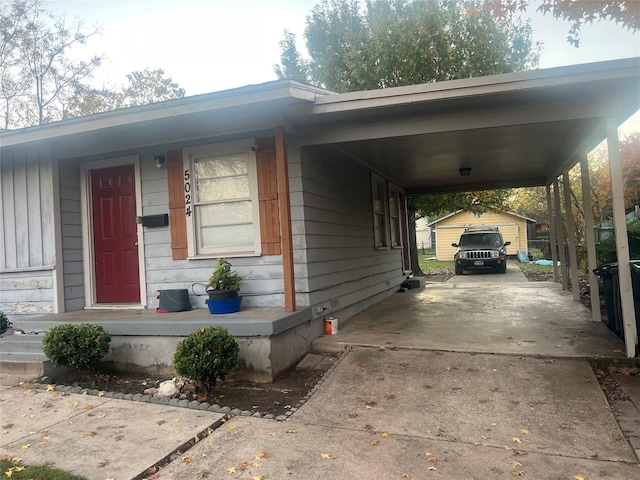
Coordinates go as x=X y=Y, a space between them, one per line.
x=265 y=398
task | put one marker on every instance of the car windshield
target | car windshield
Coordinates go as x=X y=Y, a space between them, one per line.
x=469 y=239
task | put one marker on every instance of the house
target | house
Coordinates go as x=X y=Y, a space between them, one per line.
x=304 y=190
x=448 y=229
x=424 y=233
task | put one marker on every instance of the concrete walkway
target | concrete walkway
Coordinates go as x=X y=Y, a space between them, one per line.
x=462 y=380
x=383 y=414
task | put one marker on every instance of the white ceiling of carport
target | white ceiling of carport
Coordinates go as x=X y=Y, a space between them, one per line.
x=512 y=130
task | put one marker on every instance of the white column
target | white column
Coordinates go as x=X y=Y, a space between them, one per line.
x=552 y=234
x=571 y=238
x=560 y=235
x=622 y=241
x=590 y=239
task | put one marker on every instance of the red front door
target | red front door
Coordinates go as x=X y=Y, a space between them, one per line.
x=115 y=235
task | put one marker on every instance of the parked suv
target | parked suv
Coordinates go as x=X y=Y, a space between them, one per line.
x=481 y=248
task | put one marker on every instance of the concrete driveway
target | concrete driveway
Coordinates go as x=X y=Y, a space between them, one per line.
x=482 y=313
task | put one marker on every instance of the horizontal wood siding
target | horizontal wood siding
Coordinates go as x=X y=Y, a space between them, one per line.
x=26 y=294
x=71 y=227
x=263 y=286
x=448 y=231
x=333 y=234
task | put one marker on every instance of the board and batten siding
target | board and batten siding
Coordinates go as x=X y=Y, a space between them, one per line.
x=27 y=234
x=334 y=236
x=448 y=231
x=263 y=284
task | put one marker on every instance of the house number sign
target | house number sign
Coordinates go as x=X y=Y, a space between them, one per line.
x=187 y=192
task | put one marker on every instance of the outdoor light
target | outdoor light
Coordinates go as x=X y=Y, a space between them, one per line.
x=160 y=161
x=465 y=172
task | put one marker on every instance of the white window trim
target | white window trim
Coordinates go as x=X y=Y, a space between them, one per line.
x=377 y=179
x=222 y=149
x=395 y=191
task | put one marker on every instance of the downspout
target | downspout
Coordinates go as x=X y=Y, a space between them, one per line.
x=284 y=205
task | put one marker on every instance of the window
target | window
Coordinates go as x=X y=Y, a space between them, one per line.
x=380 y=211
x=394 y=216
x=221 y=199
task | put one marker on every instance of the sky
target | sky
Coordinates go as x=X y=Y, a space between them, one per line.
x=212 y=45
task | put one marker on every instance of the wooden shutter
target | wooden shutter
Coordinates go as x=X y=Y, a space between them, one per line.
x=177 y=217
x=268 y=196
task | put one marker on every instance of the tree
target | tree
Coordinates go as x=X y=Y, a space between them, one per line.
x=39 y=77
x=150 y=86
x=577 y=12
x=392 y=43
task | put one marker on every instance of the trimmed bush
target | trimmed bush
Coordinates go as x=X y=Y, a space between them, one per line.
x=4 y=323
x=78 y=346
x=206 y=355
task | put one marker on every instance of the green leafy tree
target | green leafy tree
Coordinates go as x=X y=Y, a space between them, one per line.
x=577 y=12
x=150 y=86
x=38 y=75
x=391 y=43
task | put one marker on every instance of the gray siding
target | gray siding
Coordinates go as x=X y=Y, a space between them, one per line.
x=27 y=234
x=27 y=228
x=333 y=234
x=26 y=294
x=71 y=228
x=264 y=283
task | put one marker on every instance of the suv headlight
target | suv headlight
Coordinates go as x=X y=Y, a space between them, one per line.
x=495 y=253
x=462 y=255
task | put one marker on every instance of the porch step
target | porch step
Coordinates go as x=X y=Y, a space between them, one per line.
x=22 y=355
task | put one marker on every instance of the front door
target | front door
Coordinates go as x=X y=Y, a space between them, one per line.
x=115 y=236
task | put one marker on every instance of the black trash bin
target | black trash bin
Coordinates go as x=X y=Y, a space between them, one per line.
x=635 y=283
x=612 y=302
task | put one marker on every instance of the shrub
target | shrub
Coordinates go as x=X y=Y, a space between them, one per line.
x=606 y=249
x=4 y=323
x=206 y=355
x=78 y=346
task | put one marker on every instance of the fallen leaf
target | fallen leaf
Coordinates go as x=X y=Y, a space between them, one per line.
x=405 y=475
x=432 y=468
x=432 y=459
x=262 y=455
x=231 y=469
x=374 y=442
x=24 y=447
x=51 y=388
x=292 y=431
x=384 y=434
x=101 y=393
x=381 y=348
x=32 y=433
x=579 y=477
x=89 y=407
x=380 y=379
x=177 y=420
x=75 y=404
x=435 y=404
x=328 y=456
x=186 y=459
x=363 y=364
x=232 y=427
x=515 y=464
x=272 y=434
x=518 y=473
x=204 y=454
x=516 y=440
x=507 y=447
x=256 y=477
x=524 y=431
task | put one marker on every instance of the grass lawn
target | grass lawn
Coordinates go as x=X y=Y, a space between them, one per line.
x=428 y=265
x=14 y=469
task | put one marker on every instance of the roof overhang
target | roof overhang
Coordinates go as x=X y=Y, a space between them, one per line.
x=511 y=130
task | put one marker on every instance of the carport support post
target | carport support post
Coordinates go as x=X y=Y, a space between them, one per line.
x=590 y=239
x=560 y=235
x=622 y=241
x=552 y=234
x=571 y=238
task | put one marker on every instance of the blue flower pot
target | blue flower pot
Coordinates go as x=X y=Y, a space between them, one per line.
x=226 y=305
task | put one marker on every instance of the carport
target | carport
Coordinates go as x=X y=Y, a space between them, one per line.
x=514 y=130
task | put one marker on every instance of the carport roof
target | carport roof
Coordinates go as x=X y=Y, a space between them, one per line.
x=511 y=130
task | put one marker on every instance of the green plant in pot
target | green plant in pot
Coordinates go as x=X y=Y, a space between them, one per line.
x=224 y=283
